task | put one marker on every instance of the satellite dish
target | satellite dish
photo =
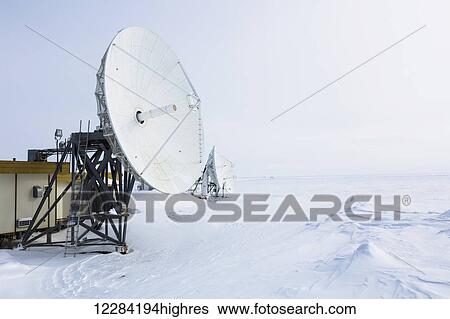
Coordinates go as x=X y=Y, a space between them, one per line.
x=224 y=172
x=217 y=178
x=149 y=111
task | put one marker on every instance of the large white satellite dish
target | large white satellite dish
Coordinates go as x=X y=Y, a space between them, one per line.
x=149 y=111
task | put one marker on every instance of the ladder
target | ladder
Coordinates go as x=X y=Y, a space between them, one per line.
x=73 y=227
x=73 y=223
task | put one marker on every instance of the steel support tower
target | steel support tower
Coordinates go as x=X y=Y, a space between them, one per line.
x=100 y=194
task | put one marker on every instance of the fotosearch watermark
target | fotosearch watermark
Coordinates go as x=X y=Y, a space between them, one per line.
x=257 y=207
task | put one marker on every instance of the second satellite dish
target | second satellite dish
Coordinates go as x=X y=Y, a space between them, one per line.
x=149 y=111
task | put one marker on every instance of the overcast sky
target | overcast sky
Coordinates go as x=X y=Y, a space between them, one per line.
x=249 y=61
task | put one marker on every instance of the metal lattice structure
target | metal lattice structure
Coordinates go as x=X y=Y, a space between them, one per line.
x=100 y=193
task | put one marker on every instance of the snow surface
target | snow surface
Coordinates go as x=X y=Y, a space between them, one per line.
x=386 y=259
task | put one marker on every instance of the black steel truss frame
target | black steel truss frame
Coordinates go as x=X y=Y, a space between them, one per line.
x=100 y=193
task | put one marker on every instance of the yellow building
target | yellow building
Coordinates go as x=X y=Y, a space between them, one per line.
x=22 y=185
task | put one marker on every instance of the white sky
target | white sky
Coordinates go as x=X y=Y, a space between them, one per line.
x=250 y=60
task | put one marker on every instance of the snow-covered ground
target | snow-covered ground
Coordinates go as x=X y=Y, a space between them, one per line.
x=377 y=259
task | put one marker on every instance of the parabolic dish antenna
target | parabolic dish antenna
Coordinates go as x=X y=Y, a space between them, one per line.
x=217 y=178
x=149 y=111
x=224 y=172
